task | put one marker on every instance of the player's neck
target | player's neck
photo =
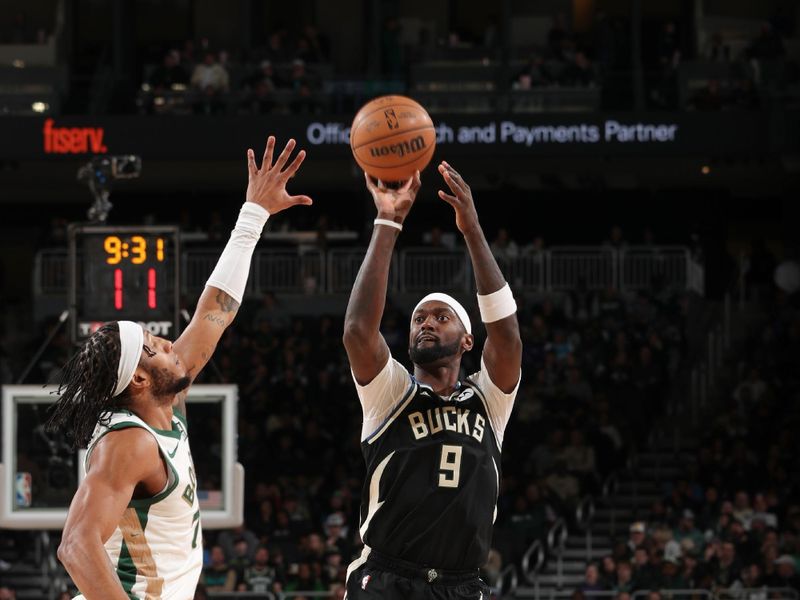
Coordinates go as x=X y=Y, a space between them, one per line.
x=443 y=380
x=156 y=415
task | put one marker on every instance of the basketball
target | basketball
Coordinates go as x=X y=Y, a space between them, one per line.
x=392 y=137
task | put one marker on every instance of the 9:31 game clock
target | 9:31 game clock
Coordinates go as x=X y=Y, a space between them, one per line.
x=124 y=273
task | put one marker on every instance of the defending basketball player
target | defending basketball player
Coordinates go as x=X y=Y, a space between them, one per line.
x=133 y=528
x=431 y=441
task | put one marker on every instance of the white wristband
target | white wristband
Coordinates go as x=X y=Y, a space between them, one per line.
x=233 y=266
x=497 y=305
x=388 y=223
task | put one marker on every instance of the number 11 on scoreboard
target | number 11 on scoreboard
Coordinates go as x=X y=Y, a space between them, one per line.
x=152 y=297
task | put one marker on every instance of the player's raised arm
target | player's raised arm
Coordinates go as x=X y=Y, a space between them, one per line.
x=219 y=302
x=119 y=463
x=502 y=352
x=366 y=348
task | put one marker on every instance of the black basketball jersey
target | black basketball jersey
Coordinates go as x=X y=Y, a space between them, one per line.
x=433 y=473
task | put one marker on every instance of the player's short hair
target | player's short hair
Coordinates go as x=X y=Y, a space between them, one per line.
x=87 y=386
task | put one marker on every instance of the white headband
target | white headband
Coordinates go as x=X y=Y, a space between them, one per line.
x=452 y=303
x=131 y=340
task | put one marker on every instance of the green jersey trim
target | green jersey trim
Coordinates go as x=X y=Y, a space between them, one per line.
x=126 y=571
x=139 y=503
x=181 y=417
x=145 y=502
x=175 y=432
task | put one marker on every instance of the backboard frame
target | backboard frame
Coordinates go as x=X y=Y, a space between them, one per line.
x=231 y=515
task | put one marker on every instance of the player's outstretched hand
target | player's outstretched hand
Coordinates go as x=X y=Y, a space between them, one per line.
x=267 y=186
x=460 y=199
x=394 y=203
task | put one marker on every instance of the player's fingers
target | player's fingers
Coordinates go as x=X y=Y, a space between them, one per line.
x=455 y=174
x=451 y=183
x=407 y=185
x=266 y=163
x=295 y=164
x=416 y=181
x=287 y=151
x=303 y=200
x=451 y=200
x=252 y=169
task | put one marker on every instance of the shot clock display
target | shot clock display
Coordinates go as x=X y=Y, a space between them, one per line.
x=124 y=273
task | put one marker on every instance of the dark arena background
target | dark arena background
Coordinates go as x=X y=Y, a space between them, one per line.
x=635 y=166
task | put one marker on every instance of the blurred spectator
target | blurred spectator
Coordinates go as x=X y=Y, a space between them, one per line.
x=624 y=580
x=558 y=39
x=313 y=46
x=260 y=576
x=276 y=51
x=565 y=486
x=228 y=540
x=724 y=565
x=336 y=534
x=241 y=558
x=616 y=240
x=503 y=247
x=591 y=580
x=534 y=74
x=169 y=73
x=303 y=579
x=579 y=459
x=578 y=72
x=636 y=537
x=211 y=80
x=786 y=573
x=645 y=574
x=218 y=576
x=716 y=49
x=671 y=577
x=768 y=45
x=687 y=529
x=303 y=88
x=264 y=73
x=708 y=98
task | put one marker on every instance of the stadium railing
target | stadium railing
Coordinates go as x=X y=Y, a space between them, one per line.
x=761 y=593
x=418 y=269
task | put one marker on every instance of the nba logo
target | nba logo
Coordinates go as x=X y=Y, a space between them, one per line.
x=365 y=581
x=22 y=490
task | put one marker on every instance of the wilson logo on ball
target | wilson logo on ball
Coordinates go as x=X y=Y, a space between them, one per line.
x=400 y=149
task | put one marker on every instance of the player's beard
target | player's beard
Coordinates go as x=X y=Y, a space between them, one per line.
x=429 y=354
x=166 y=385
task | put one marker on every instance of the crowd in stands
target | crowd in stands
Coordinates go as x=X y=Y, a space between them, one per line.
x=289 y=73
x=283 y=76
x=733 y=520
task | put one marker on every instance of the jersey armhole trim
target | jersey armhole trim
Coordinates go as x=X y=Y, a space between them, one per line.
x=479 y=392
x=392 y=413
x=141 y=502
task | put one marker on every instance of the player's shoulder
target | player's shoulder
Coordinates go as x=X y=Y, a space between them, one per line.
x=129 y=447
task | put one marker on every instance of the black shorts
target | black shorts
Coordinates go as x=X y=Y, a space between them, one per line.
x=393 y=579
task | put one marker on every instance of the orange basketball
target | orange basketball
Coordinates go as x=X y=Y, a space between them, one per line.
x=391 y=137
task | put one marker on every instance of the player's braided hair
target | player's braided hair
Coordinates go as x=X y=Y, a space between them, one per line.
x=87 y=384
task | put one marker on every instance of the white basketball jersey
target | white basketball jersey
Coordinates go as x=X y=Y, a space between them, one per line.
x=157 y=546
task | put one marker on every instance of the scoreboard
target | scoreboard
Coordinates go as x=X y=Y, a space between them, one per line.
x=124 y=273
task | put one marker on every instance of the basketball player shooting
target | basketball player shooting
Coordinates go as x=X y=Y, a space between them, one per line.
x=431 y=442
x=133 y=527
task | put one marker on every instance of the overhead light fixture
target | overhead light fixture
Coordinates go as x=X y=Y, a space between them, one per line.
x=40 y=107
